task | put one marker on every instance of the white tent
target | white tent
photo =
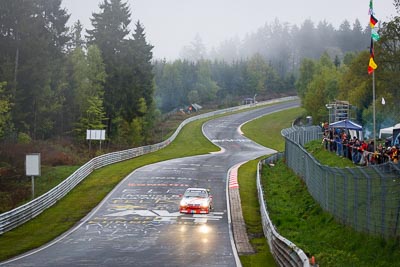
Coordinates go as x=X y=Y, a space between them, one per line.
x=385 y=131
x=388 y=131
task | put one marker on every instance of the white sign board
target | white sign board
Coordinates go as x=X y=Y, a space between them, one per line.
x=32 y=164
x=95 y=134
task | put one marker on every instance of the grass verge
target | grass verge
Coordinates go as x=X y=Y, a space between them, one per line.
x=252 y=217
x=266 y=130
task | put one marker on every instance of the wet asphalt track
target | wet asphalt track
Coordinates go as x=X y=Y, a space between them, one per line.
x=139 y=224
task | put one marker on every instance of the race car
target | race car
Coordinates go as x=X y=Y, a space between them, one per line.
x=196 y=200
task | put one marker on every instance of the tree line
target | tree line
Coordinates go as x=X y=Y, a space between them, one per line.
x=284 y=45
x=264 y=62
x=224 y=84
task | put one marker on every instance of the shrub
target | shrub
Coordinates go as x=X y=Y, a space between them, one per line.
x=24 y=138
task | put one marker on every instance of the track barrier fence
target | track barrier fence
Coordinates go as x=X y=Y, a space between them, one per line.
x=366 y=198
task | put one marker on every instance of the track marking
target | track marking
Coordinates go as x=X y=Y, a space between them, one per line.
x=233 y=182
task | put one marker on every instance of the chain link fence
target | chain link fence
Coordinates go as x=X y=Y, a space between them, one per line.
x=365 y=198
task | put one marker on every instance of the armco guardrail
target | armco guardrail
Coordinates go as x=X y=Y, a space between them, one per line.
x=284 y=251
x=22 y=214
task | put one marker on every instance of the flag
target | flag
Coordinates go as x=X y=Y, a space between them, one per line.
x=372 y=21
x=375 y=35
x=372 y=66
x=383 y=101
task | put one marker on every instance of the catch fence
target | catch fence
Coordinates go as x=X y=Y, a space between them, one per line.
x=366 y=198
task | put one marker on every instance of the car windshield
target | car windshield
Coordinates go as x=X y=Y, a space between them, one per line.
x=195 y=193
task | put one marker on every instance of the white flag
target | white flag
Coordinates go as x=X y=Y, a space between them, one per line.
x=383 y=101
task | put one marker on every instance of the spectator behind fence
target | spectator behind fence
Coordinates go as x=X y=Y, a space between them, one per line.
x=359 y=152
x=355 y=153
x=345 y=144
x=338 y=145
x=394 y=155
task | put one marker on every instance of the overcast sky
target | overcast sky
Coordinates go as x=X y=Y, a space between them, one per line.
x=172 y=24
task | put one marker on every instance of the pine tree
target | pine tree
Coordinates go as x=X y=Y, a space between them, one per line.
x=137 y=86
x=88 y=79
x=110 y=28
x=76 y=38
x=144 y=67
x=33 y=37
x=5 y=107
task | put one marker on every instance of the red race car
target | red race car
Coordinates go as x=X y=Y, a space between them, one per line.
x=196 y=200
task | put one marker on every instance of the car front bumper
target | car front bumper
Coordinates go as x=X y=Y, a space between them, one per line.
x=194 y=210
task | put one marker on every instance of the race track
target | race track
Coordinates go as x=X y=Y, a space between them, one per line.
x=139 y=224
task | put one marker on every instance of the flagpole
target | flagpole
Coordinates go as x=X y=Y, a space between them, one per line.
x=372 y=66
x=373 y=105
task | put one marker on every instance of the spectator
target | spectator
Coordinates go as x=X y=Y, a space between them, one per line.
x=356 y=155
x=394 y=155
x=338 y=142
x=331 y=144
x=351 y=148
x=345 y=144
x=359 y=152
x=379 y=154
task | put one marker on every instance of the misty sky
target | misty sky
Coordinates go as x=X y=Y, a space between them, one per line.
x=172 y=24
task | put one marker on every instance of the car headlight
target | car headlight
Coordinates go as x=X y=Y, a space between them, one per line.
x=183 y=203
x=205 y=204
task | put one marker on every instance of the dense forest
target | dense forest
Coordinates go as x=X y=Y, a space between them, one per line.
x=58 y=81
x=265 y=62
x=284 y=45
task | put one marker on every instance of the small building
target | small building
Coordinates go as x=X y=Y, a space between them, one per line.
x=194 y=108
x=248 y=100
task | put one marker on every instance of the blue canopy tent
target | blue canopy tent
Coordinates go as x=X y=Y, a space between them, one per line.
x=348 y=125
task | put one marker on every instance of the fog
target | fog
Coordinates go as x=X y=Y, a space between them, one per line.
x=173 y=24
